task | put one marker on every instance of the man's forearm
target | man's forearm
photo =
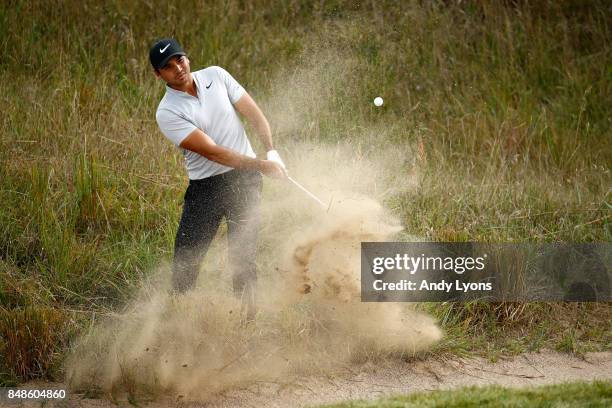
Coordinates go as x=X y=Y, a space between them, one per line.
x=262 y=129
x=235 y=160
x=247 y=107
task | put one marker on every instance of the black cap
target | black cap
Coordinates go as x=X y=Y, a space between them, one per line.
x=163 y=50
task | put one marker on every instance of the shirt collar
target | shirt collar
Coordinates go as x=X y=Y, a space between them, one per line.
x=181 y=93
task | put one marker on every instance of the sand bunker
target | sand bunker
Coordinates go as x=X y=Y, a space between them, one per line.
x=310 y=320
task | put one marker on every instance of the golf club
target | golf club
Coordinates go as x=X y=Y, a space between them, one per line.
x=314 y=197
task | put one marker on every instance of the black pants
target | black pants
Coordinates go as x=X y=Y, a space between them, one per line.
x=234 y=195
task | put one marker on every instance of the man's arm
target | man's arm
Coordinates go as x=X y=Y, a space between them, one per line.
x=247 y=107
x=199 y=142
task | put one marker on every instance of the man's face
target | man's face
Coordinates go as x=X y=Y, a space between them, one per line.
x=176 y=72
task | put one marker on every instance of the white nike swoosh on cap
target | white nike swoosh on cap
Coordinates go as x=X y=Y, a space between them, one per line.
x=161 y=50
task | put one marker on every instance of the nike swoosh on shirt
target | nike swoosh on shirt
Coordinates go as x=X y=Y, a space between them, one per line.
x=161 y=50
x=208 y=86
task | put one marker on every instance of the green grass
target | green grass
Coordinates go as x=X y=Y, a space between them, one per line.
x=595 y=394
x=507 y=110
x=494 y=329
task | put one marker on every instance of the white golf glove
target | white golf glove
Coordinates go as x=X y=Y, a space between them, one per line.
x=273 y=155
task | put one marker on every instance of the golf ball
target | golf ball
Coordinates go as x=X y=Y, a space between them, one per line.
x=378 y=101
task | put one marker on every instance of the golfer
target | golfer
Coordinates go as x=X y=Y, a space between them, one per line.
x=199 y=114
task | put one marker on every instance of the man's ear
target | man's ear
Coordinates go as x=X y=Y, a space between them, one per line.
x=156 y=71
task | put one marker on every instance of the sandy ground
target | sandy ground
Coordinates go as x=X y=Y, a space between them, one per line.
x=392 y=377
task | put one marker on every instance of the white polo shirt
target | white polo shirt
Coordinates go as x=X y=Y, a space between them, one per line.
x=212 y=111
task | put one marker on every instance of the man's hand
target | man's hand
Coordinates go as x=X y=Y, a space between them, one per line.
x=273 y=169
x=273 y=155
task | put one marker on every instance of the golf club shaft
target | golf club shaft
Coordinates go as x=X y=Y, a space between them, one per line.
x=314 y=197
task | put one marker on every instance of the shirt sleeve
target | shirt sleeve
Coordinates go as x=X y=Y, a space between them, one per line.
x=234 y=89
x=173 y=126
